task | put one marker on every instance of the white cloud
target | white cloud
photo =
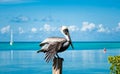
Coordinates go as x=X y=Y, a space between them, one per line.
x=46 y=19
x=48 y=28
x=20 y=19
x=34 y=30
x=20 y=30
x=5 y=29
x=118 y=27
x=86 y=26
x=102 y=29
x=73 y=28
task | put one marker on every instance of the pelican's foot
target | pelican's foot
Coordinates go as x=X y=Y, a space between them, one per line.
x=62 y=59
x=59 y=58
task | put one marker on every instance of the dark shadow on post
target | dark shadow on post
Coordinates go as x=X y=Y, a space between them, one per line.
x=57 y=66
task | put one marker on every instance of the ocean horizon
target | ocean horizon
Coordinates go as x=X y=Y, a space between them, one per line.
x=77 y=45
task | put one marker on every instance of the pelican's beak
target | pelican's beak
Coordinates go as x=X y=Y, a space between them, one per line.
x=71 y=45
x=70 y=40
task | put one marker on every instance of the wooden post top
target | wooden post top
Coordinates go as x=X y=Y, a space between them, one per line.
x=57 y=65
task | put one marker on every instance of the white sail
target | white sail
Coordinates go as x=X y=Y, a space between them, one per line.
x=11 y=38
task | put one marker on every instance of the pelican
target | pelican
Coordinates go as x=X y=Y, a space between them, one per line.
x=53 y=45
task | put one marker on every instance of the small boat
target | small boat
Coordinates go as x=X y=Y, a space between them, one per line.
x=11 y=38
x=104 y=50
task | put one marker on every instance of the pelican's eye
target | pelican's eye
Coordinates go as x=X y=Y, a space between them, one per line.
x=65 y=31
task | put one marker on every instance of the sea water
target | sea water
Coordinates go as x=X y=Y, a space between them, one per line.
x=86 y=58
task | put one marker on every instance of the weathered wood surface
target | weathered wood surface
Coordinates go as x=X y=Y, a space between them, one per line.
x=57 y=66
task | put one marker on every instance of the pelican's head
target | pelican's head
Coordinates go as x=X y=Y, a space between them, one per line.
x=65 y=32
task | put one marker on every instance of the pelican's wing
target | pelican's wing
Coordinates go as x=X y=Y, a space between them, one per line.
x=52 y=50
x=52 y=39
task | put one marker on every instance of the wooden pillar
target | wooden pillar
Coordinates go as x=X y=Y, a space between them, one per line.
x=57 y=66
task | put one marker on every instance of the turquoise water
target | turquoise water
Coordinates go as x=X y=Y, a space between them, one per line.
x=87 y=58
x=77 y=45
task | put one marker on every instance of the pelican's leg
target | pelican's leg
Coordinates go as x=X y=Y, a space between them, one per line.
x=59 y=57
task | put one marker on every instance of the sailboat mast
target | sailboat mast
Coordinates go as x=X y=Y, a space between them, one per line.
x=11 y=38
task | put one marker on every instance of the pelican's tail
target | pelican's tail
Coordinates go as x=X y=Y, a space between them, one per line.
x=39 y=51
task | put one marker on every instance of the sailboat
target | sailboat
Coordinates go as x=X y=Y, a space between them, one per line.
x=11 y=38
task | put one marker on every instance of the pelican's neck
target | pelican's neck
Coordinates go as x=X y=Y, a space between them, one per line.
x=67 y=37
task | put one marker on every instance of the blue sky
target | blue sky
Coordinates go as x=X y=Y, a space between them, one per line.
x=35 y=20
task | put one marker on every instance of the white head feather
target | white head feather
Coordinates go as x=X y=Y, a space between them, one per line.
x=63 y=28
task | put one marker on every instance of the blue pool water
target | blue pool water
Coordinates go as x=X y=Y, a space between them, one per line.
x=15 y=60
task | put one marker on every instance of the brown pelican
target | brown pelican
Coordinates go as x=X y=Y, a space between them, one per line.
x=53 y=45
